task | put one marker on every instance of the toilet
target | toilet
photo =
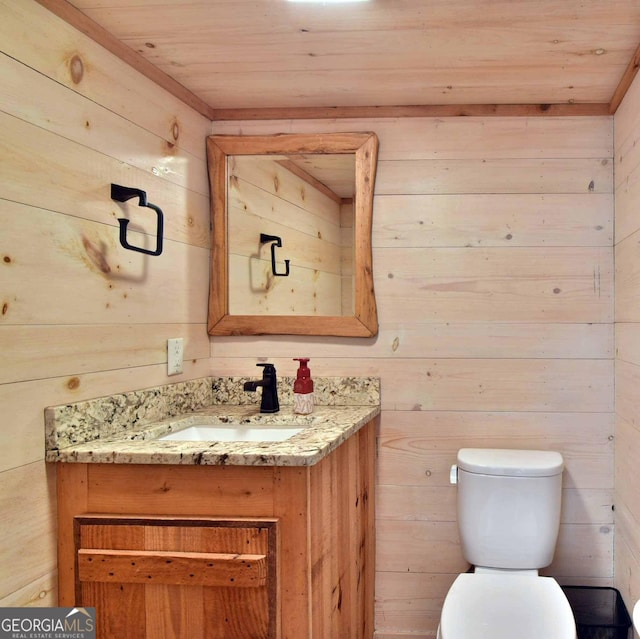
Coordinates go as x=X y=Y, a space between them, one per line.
x=508 y=518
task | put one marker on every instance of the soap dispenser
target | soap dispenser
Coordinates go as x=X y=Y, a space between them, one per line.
x=303 y=388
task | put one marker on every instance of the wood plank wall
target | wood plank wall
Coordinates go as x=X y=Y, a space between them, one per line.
x=81 y=317
x=627 y=364
x=493 y=265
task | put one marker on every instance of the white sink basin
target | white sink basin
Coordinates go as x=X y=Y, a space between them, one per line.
x=232 y=433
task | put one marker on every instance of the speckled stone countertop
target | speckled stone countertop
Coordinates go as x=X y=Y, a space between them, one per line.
x=123 y=429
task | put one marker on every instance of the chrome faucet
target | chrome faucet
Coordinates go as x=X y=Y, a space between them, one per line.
x=269 y=383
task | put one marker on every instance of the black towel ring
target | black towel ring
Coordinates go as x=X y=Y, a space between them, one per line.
x=124 y=193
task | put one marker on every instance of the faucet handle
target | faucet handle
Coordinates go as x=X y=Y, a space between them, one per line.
x=269 y=369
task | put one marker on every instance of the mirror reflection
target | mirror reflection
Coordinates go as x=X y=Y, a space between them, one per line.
x=290 y=234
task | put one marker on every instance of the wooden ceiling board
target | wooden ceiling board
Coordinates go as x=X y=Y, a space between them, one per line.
x=238 y=54
x=366 y=16
x=361 y=88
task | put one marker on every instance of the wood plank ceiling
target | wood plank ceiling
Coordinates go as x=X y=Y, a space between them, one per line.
x=283 y=54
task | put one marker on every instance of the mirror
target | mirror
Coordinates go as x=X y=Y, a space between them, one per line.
x=291 y=234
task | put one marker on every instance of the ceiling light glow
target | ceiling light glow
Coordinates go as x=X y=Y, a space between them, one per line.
x=329 y=1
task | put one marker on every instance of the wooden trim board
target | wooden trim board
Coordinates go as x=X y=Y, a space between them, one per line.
x=414 y=111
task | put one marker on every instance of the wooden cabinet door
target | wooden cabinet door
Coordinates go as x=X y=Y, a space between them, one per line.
x=166 y=578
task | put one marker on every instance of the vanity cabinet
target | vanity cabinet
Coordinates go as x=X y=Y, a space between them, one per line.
x=222 y=551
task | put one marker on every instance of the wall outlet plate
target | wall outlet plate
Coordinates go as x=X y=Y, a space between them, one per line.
x=175 y=355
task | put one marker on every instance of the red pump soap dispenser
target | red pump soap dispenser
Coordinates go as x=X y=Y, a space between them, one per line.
x=303 y=388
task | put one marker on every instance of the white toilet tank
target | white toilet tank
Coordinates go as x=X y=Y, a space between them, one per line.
x=509 y=506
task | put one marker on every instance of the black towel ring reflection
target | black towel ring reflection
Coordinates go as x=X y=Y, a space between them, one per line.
x=277 y=241
x=124 y=193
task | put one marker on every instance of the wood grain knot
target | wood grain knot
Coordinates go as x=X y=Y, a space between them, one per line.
x=76 y=69
x=95 y=255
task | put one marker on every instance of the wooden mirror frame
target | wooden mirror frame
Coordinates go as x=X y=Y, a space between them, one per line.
x=364 y=322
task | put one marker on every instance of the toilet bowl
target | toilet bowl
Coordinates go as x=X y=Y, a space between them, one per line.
x=508 y=519
x=490 y=606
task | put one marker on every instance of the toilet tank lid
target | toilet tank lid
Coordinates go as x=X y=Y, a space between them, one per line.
x=510 y=463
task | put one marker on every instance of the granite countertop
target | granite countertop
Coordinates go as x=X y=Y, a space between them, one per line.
x=123 y=429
